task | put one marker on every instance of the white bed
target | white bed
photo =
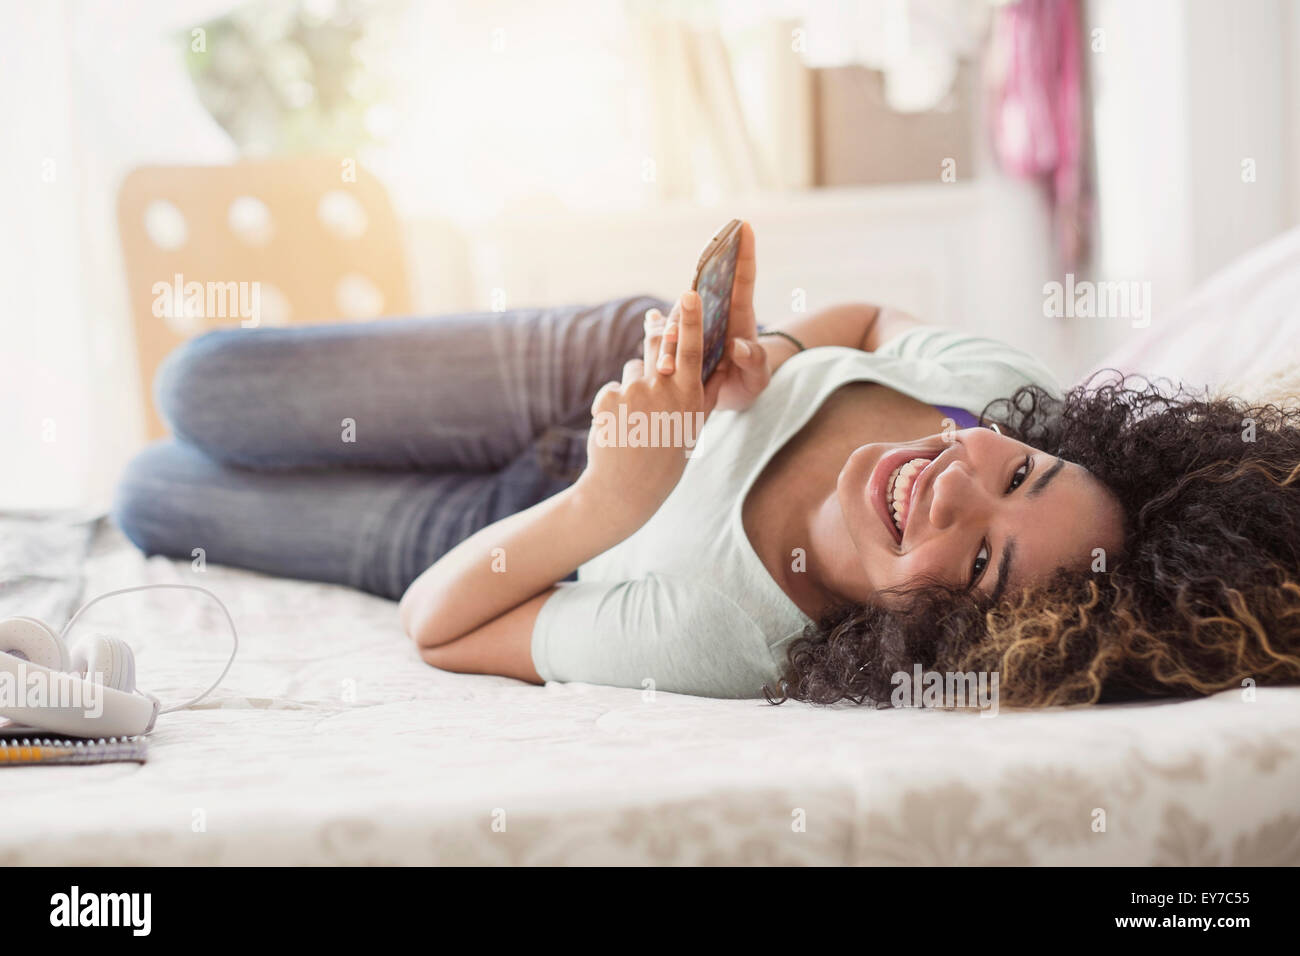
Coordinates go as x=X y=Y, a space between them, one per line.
x=332 y=743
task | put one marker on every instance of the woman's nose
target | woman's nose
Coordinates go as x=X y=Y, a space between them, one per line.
x=955 y=496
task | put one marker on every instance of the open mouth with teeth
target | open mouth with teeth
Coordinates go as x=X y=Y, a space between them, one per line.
x=898 y=491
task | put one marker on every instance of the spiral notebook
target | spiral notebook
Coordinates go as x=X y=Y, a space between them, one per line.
x=53 y=749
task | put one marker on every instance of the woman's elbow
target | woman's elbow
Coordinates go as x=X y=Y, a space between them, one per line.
x=442 y=657
x=417 y=620
x=406 y=613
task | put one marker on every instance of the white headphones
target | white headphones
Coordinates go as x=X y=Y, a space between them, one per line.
x=89 y=691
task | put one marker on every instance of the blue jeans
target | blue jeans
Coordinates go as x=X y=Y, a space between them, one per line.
x=359 y=454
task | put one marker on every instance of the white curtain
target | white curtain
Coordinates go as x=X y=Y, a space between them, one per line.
x=729 y=117
x=90 y=90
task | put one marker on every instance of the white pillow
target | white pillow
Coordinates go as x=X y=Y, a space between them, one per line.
x=1240 y=327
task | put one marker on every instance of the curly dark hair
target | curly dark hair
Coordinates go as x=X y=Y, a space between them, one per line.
x=1203 y=596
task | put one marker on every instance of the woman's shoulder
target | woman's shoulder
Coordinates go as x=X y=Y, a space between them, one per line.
x=966 y=353
x=935 y=364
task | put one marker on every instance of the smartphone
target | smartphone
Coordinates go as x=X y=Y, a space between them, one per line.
x=713 y=279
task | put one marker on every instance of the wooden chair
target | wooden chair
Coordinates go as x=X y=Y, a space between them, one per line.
x=254 y=244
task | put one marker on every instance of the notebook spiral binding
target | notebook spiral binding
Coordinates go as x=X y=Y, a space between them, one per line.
x=16 y=751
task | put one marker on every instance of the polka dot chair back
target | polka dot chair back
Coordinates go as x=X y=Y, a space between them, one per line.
x=254 y=245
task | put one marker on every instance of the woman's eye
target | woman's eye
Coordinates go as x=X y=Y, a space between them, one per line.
x=981 y=562
x=1019 y=477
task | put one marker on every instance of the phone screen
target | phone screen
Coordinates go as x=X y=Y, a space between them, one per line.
x=713 y=279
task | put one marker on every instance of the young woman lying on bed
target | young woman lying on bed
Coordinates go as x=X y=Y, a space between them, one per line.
x=844 y=517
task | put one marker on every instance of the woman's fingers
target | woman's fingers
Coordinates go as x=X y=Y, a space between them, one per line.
x=666 y=361
x=633 y=369
x=690 y=337
x=741 y=320
x=654 y=330
x=750 y=360
x=603 y=397
x=681 y=344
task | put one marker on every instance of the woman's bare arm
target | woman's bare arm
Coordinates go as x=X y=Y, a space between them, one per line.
x=473 y=610
x=507 y=563
x=857 y=326
x=502 y=646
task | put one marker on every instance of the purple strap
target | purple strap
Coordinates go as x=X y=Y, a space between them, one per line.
x=963 y=418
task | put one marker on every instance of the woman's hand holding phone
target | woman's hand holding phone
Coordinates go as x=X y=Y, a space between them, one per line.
x=630 y=473
x=627 y=481
x=743 y=373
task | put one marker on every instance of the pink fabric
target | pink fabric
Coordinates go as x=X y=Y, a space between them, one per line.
x=1036 y=79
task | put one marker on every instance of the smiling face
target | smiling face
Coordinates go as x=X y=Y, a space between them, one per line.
x=978 y=510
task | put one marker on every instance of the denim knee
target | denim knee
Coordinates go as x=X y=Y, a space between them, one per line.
x=141 y=501
x=195 y=381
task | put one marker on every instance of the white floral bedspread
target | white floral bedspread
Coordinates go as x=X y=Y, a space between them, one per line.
x=332 y=743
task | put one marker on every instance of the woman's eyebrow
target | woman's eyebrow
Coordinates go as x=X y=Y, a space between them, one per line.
x=1004 y=566
x=1042 y=482
x=1009 y=549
